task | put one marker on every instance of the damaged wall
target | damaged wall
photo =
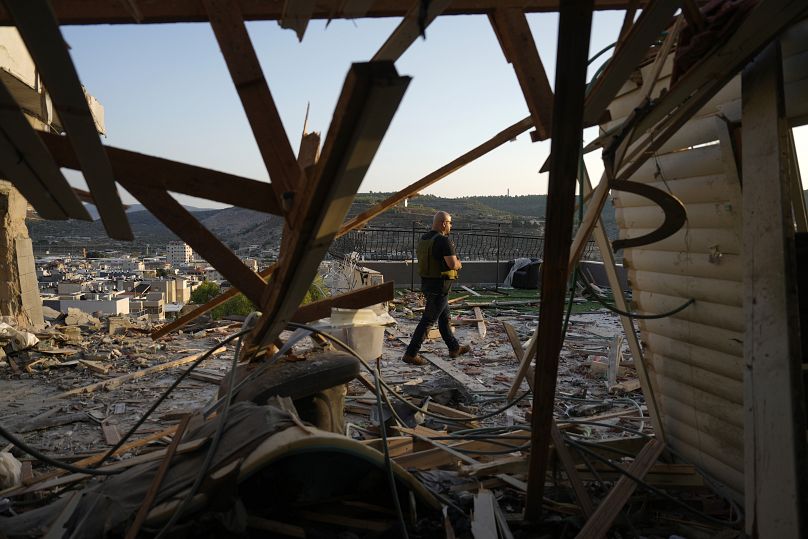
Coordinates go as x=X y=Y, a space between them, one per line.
x=19 y=292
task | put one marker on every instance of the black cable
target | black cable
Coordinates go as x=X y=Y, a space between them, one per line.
x=637 y=316
x=656 y=490
x=166 y=393
x=48 y=460
x=214 y=444
x=445 y=419
x=94 y=471
x=387 y=462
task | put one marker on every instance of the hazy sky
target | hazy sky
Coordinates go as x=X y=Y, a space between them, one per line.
x=167 y=92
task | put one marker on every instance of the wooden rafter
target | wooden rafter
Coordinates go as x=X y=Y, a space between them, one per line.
x=296 y=15
x=353 y=299
x=180 y=221
x=408 y=31
x=370 y=97
x=573 y=48
x=632 y=48
x=519 y=48
x=361 y=219
x=40 y=32
x=608 y=510
x=413 y=189
x=24 y=161
x=248 y=77
x=158 y=173
x=168 y=11
x=766 y=20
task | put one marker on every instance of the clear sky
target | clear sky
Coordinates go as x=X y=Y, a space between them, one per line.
x=167 y=92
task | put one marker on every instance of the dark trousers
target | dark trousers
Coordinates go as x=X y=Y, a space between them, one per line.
x=437 y=308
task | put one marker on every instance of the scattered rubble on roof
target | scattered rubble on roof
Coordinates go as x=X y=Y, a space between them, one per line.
x=78 y=391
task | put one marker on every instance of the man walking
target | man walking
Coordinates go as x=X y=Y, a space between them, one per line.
x=437 y=265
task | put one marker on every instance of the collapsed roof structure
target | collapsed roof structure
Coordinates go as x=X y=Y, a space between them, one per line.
x=695 y=135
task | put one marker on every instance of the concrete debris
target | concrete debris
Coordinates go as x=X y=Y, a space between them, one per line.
x=83 y=387
x=75 y=317
x=19 y=340
x=10 y=471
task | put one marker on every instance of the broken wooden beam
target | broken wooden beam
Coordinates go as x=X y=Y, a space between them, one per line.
x=353 y=299
x=409 y=29
x=511 y=27
x=370 y=97
x=242 y=62
x=115 y=382
x=481 y=329
x=39 y=28
x=603 y=517
x=573 y=49
x=132 y=168
x=25 y=162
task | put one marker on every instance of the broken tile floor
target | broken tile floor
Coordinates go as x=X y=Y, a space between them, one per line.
x=42 y=399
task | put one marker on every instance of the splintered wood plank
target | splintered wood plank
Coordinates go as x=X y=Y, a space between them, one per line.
x=631 y=49
x=519 y=48
x=370 y=97
x=296 y=15
x=24 y=161
x=603 y=517
x=245 y=70
x=581 y=494
x=40 y=31
x=775 y=421
x=524 y=365
x=481 y=329
x=132 y=168
x=154 y=487
x=354 y=299
x=573 y=47
x=483 y=519
x=462 y=378
x=409 y=29
x=115 y=382
x=516 y=344
x=180 y=221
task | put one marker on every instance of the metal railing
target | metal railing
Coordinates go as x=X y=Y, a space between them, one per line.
x=472 y=244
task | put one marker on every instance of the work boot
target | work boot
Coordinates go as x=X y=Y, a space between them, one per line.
x=414 y=360
x=462 y=349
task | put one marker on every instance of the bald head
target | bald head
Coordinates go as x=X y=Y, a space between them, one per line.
x=442 y=222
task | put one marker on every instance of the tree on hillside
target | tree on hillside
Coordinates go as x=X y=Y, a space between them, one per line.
x=240 y=305
x=205 y=292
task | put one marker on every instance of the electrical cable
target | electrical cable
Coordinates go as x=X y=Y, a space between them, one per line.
x=247 y=326
x=387 y=462
x=638 y=316
x=48 y=460
x=656 y=490
x=94 y=471
x=165 y=395
x=445 y=419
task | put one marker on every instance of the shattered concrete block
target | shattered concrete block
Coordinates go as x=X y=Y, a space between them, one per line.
x=50 y=314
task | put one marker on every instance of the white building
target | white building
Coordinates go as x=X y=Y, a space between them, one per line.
x=179 y=253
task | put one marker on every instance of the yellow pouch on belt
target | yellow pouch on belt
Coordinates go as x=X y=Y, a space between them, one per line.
x=449 y=274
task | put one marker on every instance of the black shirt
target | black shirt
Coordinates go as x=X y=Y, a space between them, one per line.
x=442 y=246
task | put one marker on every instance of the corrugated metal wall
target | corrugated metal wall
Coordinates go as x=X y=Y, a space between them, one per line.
x=695 y=357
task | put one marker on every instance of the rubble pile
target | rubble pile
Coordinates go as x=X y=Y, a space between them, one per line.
x=458 y=450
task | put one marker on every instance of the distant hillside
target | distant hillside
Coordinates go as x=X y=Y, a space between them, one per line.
x=238 y=227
